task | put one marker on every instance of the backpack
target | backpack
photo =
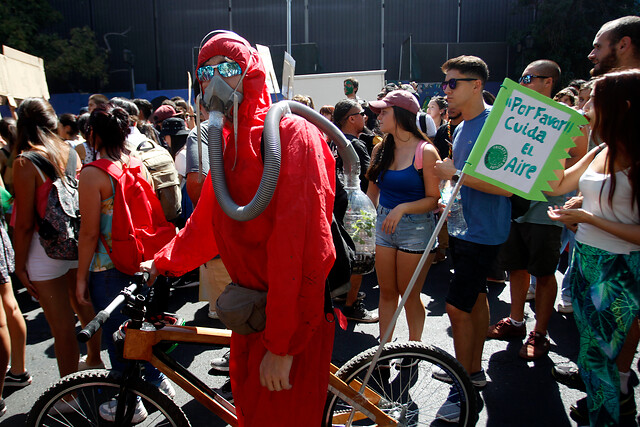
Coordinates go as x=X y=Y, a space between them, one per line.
x=162 y=168
x=139 y=228
x=60 y=226
x=417 y=159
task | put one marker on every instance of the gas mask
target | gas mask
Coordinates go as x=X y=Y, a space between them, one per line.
x=221 y=97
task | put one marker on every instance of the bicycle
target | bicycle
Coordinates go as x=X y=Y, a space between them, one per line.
x=400 y=392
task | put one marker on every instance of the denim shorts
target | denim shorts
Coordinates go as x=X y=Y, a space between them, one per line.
x=412 y=232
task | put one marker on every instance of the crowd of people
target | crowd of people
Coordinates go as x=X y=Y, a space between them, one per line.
x=592 y=216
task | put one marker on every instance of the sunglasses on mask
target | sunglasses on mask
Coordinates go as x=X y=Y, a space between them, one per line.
x=453 y=83
x=226 y=69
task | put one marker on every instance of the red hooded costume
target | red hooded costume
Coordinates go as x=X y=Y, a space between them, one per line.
x=287 y=250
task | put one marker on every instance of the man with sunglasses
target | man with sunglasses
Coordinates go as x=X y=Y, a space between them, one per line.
x=349 y=117
x=278 y=375
x=533 y=247
x=487 y=210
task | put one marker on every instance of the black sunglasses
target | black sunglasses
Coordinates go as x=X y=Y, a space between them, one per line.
x=453 y=83
x=526 y=79
x=362 y=113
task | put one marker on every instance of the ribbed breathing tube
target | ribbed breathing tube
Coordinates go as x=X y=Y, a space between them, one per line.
x=272 y=157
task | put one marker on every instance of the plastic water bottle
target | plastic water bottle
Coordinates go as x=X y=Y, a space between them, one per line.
x=456 y=224
x=360 y=223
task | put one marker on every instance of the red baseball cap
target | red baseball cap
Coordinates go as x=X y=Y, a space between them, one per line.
x=398 y=98
x=163 y=112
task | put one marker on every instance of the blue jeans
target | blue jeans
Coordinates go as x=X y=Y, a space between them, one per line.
x=104 y=287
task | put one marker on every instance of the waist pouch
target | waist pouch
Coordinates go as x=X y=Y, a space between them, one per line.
x=242 y=310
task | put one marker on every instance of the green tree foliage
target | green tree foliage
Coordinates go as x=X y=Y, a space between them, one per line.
x=563 y=31
x=73 y=63
x=79 y=55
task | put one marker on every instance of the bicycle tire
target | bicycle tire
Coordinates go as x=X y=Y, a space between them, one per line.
x=92 y=388
x=411 y=396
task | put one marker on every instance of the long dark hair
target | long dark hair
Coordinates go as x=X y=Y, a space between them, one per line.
x=9 y=132
x=37 y=129
x=617 y=107
x=111 y=124
x=406 y=120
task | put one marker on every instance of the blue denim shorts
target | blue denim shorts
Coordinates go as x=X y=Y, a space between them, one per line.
x=412 y=232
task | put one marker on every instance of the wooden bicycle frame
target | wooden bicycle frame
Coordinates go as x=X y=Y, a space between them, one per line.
x=139 y=345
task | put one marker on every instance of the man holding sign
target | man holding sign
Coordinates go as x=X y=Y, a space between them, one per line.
x=533 y=247
x=486 y=209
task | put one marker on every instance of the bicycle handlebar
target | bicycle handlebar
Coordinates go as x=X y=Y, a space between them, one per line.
x=92 y=327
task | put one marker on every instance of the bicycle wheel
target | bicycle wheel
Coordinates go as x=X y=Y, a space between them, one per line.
x=75 y=401
x=409 y=394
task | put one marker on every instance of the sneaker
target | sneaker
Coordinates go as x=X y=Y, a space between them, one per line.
x=185 y=282
x=342 y=298
x=565 y=307
x=166 y=387
x=221 y=363
x=505 y=330
x=83 y=366
x=213 y=315
x=225 y=391
x=449 y=412
x=108 y=411
x=628 y=404
x=531 y=293
x=359 y=314
x=478 y=379
x=569 y=376
x=535 y=347
x=13 y=380
x=579 y=412
x=65 y=407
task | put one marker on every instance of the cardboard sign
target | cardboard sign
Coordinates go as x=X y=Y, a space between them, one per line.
x=523 y=140
x=272 y=80
x=288 y=70
x=22 y=75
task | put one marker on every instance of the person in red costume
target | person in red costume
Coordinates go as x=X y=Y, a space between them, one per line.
x=278 y=376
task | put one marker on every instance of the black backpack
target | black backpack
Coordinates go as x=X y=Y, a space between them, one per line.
x=60 y=226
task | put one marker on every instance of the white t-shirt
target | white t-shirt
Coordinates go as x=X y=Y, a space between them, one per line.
x=181 y=162
x=620 y=210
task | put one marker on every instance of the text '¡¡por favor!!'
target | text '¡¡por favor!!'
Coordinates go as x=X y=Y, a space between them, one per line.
x=535 y=116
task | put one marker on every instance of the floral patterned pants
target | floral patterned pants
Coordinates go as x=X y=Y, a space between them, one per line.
x=606 y=301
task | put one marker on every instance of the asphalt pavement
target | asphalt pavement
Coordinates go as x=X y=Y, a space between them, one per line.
x=519 y=392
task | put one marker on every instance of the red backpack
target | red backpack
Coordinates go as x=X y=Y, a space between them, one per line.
x=139 y=228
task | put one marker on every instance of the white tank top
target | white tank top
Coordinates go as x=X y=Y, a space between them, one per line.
x=620 y=210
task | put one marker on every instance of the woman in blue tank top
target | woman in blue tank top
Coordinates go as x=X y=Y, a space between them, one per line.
x=405 y=195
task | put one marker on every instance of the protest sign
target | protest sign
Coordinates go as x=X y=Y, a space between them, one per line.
x=21 y=75
x=288 y=70
x=523 y=140
x=271 y=80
